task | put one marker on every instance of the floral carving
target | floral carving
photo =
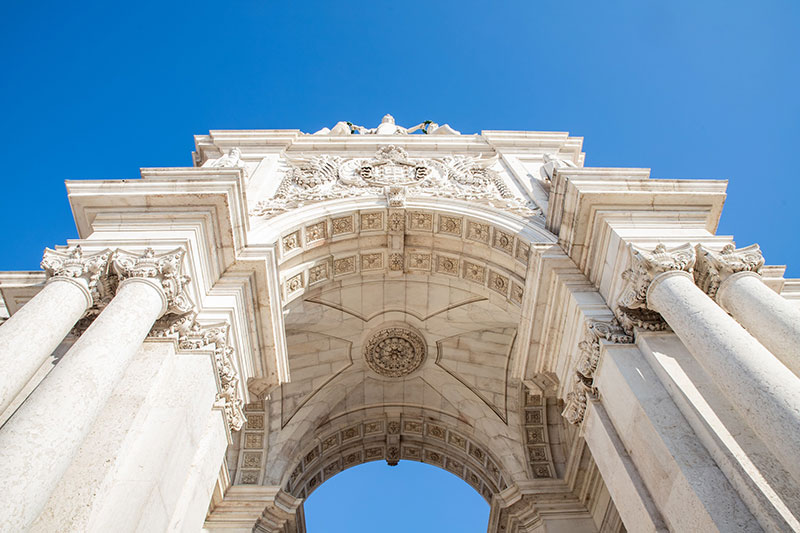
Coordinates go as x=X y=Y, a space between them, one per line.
x=93 y=269
x=165 y=268
x=392 y=174
x=589 y=358
x=632 y=310
x=395 y=352
x=712 y=268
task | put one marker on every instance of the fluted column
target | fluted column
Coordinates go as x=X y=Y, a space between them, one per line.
x=759 y=386
x=29 y=337
x=39 y=441
x=731 y=277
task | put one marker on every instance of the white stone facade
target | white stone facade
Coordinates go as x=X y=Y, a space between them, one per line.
x=576 y=343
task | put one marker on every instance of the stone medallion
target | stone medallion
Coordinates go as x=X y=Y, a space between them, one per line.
x=395 y=351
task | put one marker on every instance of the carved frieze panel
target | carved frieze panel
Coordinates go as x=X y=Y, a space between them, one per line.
x=392 y=174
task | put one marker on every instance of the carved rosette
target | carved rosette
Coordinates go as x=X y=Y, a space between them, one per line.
x=713 y=268
x=395 y=352
x=589 y=358
x=632 y=310
x=164 y=268
x=191 y=335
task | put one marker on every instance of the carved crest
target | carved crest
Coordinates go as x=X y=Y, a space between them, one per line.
x=395 y=176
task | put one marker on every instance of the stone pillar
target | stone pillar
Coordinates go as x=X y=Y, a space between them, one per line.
x=731 y=277
x=29 y=337
x=37 y=444
x=745 y=371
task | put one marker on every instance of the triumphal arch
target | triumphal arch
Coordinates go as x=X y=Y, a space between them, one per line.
x=576 y=343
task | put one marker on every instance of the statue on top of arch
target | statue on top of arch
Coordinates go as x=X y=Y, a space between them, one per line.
x=388 y=127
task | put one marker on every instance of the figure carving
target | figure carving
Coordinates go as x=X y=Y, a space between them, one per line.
x=388 y=127
x=551 y=163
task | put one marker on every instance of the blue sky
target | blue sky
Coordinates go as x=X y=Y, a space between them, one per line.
x=690 y=89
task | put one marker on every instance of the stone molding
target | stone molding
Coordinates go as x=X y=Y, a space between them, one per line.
x=712 y=268
x=191 y=335
x=395 y=176
x=632 y=310
x=588 y=360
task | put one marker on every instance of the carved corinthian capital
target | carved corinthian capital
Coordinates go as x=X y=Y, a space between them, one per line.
x=164 y=268
x=632 y=307
x=713 y=268
x=75 y=264
x=589 y=358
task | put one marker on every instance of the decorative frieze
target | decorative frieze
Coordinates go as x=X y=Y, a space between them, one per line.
x=712 y=268
x=632 y=310
x=392 y=174
x=588 y=359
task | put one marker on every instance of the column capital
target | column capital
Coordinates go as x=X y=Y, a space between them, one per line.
x=74 y=265
x=713 y=267
x=632 y=309
x=165 y=269
x=583 y=385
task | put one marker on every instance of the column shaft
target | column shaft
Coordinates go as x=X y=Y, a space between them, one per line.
x=38 y=443
x=769 y=317
x=762 y=389
x=29 y=337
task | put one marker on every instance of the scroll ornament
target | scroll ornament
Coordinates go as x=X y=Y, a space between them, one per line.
x=392 y=174
x=632 y=310
x=588 y=360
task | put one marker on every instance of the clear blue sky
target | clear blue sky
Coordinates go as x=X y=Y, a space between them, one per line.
x=690 y=89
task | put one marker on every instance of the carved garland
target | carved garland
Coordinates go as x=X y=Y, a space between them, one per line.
x=391 y=173
x=589 y=358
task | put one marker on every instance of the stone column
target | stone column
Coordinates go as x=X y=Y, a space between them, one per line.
x=29 y=337
x=731 y=277
x=745 y=371
x=37 y=444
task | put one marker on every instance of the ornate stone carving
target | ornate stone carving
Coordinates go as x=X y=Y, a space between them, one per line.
x=632 y=310
x=589 y=347
x=712 y=268
x=93 y=269
x=388 y=127
x=165 y=269
x=551 y=163
x=232 y=159
x=392 y=174
x=395 y=352
x=192 y=335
